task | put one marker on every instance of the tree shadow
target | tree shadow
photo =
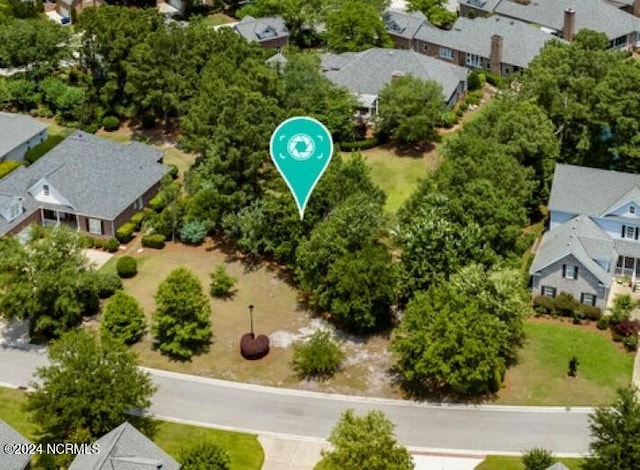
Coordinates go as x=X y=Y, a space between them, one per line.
x=412 y=150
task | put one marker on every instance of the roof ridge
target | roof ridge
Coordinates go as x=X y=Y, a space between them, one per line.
x=118 y=433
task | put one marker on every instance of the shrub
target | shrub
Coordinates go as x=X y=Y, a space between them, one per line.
x=591 y=312
x=543 y=304
x=627 y=328
x=495 y=382
x=493 y=79
x=156 y=240
x=459 y=112
x=92 y=128
x=317 y=356
x=193 y=232
x=205 y=455
x=463 y=106
x=138 y=218
x=537 y=459
x=123 y=318
x=449 y=120
x=359 y=144
x=254 y=347
x=111 y=245
x=474 y=82
x=98 y=243
x=108 y=284
x=125 y=233
x=630 y=343
x=622 y=307
x=617 y=337
x=34 y=154
x=174 y=171
x=86 y=241
x=157 y=203
x=603 y=323
x=565 y=304
x=472 y=99
x=221 y=283
x=127 y=267
x=8 y=166
x=111 y=123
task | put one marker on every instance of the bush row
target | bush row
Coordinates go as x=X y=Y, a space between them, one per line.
x=359 y=144
x=108 y=244
x=155 y=240
x=565 y=305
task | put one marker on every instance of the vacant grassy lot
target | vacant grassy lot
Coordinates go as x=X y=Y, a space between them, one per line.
x=277 y=313
x=541 y=377
x=398 y=176
x=245 y=450
x=495 y=462
x=217 y=19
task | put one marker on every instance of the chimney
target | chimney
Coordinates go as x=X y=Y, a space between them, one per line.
x=569 y=25
x=495 y=59
x=636 y=8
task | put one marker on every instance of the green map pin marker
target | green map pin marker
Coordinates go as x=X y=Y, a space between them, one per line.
x=301 y=148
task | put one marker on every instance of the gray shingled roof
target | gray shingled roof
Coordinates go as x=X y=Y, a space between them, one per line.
x=8 y=435
x=98 y=177
x=367 y=72
x=16 y=129
x=590 y=14
x=261 y=29
x=521 y=41
x=572 y=189
x=582 y=238
x=125 y=448
x=404 y=24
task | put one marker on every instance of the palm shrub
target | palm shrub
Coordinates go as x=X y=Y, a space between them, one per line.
x=537 y=459
x=221 y=283
x=123 y=318
x=317 y=356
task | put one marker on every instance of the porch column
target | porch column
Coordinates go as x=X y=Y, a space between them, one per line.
x=633 y=277
x=41 y=217
x=57 y=218
x=77 y=222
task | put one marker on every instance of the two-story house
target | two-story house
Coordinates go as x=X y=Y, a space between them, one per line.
x=593 y=235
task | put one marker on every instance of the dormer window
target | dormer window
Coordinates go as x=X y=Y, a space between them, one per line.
x=632 y=209
x=45 y=189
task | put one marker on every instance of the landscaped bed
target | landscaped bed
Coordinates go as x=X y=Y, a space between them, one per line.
x=495 y=462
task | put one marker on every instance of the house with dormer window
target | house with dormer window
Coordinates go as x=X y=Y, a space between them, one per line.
x=594 y=235
x=87 y=183
x=269 y=32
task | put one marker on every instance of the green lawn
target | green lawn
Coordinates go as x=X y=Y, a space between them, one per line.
x=541 y=377
x=495 y=462
x=216 y=19
x=245 y=450
x=398 y=176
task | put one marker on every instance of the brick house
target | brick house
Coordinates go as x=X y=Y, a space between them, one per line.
x=86 y=182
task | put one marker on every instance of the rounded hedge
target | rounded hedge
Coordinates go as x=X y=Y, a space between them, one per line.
x=111 y=245
x=127 y=267
x=111 y=123
x=108 y=284
x=254 y=347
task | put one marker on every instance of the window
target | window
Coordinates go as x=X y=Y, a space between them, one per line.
x=426 y=47
x=548 y=291
x=632 y=209
x=569 y=271
x=473 y=60
x=45 y=189
x=138 y=204
x=619 y=43
x=630 y=232
x=588 y=299
x=446 y=53
x=95 y=226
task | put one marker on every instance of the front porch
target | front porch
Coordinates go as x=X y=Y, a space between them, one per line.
x=54 y=218
x=628 y=267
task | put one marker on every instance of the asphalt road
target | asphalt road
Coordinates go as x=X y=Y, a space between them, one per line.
x=312 y=415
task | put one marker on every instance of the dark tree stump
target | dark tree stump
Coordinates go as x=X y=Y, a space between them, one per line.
x=254 y=347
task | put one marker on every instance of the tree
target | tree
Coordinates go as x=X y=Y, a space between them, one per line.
x=222 y=283
x=123 y=318
x=365 y=442
x=462 y=334
x=89 y=388
x=356 y=26
x=49 y=281
x=615 y=433
x=182 y=326
x=205 y=455
x=409 y=109
x=537 y=459
x=361 y=289
x=317 y=356
x=435 y=11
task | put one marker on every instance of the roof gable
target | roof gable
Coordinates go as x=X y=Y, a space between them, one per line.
x=631 y=196
x=12 y=461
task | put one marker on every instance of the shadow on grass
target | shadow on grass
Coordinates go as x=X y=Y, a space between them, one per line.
x=411 y=151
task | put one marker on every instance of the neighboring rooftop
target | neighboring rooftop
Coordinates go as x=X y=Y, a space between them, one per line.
x=521 y=41
x=367 y=72
x=582 y=238
x=572 y=190
x=405 y=24
x=261 y=29
x=8 y=435
x=125 y=448
x=590 y=14
x=16 y=129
